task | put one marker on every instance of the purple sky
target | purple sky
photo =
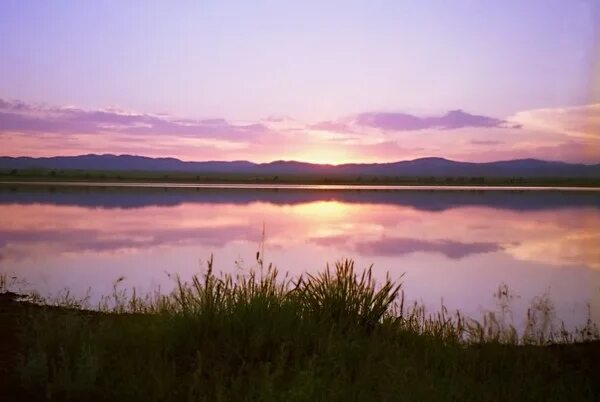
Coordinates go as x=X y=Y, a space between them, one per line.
x=328 y=81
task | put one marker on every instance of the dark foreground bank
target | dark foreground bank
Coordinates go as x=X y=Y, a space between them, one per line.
x=333 y=337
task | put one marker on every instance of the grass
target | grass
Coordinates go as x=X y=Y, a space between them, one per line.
x=73 y=175
x=334 y=336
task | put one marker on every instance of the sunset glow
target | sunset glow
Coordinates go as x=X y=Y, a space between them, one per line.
x=358 y=83
x=299 y=200
x=466 y=248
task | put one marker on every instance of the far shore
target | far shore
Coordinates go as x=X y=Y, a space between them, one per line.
x=300 y=186
x=299 y=180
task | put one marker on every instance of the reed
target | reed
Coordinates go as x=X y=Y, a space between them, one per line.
x=336 y=335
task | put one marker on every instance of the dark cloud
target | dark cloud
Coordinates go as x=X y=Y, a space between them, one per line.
x=20 y=117
x=454 y=119
x=389 y=121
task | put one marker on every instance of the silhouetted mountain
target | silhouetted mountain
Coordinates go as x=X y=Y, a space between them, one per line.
x=438 y=167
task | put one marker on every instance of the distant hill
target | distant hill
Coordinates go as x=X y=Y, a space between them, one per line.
x=437 y=167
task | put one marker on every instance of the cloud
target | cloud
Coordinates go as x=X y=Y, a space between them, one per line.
x=575 y=121
x=20 y=243
x=398 y=246
x=336 y=126
x=454 y=119
x=569 y=134
x=395 y=121
x=21 y=117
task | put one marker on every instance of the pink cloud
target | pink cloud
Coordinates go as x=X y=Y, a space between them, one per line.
x=396 y=121
x=20 y=117
x=567 y=134
x=576 y=121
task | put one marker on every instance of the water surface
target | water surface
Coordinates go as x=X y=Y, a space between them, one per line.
x=455 y=246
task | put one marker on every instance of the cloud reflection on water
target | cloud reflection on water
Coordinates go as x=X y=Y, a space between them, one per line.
x=392 y=224
x=451 y=245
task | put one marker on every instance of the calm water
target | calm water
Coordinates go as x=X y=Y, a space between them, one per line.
x=455 y=246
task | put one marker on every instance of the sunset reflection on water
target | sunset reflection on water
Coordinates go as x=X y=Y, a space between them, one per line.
x=459 y=250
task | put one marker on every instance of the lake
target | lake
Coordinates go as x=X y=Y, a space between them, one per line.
x=452 y=246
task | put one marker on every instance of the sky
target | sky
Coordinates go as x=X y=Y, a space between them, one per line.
x=317 y=81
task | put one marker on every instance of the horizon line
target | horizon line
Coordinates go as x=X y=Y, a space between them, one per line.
x=299 y=161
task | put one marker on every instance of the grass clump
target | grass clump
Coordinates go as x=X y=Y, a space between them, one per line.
x=334 y=336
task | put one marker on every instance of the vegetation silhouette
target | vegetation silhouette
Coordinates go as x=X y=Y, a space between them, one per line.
x=336 y=335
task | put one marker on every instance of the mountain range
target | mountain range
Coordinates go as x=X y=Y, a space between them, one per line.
x=437 y=167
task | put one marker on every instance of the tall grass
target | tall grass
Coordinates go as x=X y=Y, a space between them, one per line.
x=337 y=335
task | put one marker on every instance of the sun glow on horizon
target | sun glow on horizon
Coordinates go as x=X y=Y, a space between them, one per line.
x=323 y=155
x=334 y=155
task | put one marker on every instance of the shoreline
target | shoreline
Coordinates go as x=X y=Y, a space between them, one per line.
x=290 y=186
